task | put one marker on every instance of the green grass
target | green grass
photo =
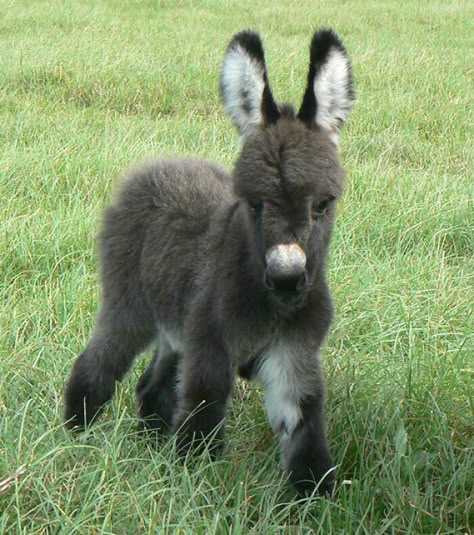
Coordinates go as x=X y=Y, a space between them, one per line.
x=89 y=88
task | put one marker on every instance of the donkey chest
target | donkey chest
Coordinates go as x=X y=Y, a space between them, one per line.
x=245 y=345
x=286 y=381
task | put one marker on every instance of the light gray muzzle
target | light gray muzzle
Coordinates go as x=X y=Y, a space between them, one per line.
x=286 y=268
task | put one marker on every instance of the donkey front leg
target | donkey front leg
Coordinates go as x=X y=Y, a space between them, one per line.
x=294 y=403
x=205 y=386
x=305 y=451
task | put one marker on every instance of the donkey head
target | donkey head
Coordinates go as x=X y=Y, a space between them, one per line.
x=288 y=174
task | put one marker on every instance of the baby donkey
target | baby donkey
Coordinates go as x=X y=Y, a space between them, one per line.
x=227 y=271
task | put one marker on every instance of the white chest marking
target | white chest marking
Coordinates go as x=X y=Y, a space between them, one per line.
x=284 y=389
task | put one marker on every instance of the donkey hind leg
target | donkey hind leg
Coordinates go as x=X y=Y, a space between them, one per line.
x=294 y=405
x=117 y=339
x=156 y=388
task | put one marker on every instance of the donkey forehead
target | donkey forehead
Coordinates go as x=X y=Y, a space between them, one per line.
x=288 y=159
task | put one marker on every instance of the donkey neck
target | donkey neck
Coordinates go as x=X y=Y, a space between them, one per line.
x=247 y=266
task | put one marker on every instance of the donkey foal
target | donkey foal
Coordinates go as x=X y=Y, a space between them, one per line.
x=227 y=272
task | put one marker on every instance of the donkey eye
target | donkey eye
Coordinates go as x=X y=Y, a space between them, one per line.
x=321 y=208
x=256 y=206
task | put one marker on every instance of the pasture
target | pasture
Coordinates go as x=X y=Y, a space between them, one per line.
x=87 y=90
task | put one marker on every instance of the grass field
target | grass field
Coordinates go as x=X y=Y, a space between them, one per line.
x=89 y=88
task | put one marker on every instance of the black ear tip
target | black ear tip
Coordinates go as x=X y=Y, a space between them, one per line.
x=250 y=41
x=323 y=41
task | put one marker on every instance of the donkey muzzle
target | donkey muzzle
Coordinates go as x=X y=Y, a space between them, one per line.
x=286 y=268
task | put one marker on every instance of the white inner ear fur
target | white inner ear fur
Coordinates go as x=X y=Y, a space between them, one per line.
x=242 y=89
x=331 y=88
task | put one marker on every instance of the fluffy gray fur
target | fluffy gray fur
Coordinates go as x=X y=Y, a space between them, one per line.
x=183 y=257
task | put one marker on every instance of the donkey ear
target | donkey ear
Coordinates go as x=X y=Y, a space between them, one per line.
x=245 y=90
x=330 y=89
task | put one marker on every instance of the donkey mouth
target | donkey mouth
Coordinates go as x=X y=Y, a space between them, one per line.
x=292 y=285
x=287 y=291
